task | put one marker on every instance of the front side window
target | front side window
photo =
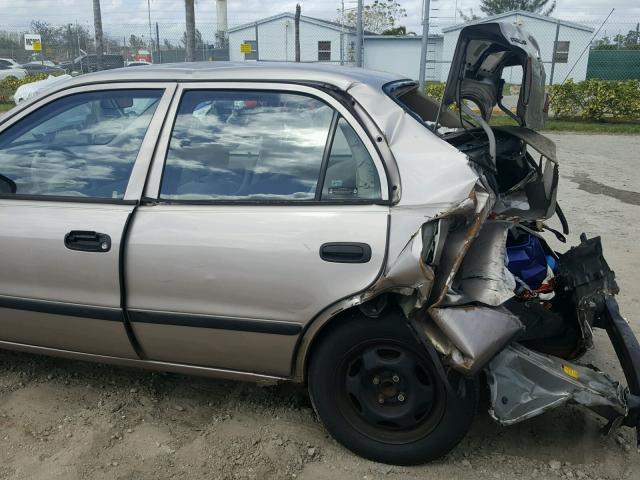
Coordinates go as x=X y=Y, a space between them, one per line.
x=82 y=145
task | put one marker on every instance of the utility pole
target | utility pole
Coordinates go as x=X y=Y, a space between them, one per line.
x=97 y=25
x=151 y=42
x=425 y=43
x=158 y=52
x=296 y=27
x=359 y=41
x=191 y=30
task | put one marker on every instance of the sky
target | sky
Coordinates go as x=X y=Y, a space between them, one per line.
x=121 y=16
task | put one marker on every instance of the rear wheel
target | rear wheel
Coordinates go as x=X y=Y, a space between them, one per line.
x=379 y=394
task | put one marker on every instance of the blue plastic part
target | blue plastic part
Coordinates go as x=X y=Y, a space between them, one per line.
x=527 y=259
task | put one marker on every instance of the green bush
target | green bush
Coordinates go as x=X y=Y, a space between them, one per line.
x=596 y=100
x=9 y=85
x=435 y=90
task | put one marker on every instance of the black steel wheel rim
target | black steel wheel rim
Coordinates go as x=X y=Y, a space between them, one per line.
x=390 y=392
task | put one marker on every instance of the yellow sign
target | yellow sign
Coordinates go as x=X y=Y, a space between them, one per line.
x=245 y=48
x=37 y=46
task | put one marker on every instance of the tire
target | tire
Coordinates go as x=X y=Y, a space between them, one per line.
x=378 y=393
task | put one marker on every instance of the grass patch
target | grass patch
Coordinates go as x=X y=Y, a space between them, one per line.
x=579 y=126
x=6 y=106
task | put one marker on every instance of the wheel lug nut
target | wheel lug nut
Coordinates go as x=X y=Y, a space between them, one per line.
x=401 y=397
x=395 y=379
x=376 y=380
x=381 y=399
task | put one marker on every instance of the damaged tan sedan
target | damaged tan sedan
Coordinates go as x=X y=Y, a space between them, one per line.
x=315 y=224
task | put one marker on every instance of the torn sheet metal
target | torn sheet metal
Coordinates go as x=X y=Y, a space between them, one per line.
x=477 y=332
x=483 y=276
x=525 y=384
x=457 y=243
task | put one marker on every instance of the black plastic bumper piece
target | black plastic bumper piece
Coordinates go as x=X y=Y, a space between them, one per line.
x=627 y=349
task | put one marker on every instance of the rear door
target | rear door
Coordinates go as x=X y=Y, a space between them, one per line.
x=266 y=204
x=72 y=169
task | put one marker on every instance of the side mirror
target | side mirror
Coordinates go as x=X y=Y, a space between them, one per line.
x=7 y=186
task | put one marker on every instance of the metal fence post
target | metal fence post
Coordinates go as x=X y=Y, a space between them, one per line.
x=257 y=47
x=359 y=35
x=553 y=55
x=158 y=43
x=425 y=43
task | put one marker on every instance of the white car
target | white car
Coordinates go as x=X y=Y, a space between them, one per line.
x=10 y=68
x=30 y=90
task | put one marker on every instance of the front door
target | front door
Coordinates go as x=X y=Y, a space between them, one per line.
x=67 y=189
x=269 y=207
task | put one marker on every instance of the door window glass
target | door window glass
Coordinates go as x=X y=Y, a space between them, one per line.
x=351 y=173
x=82 y=145
x=244 y=145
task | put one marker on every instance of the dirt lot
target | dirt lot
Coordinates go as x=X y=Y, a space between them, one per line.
x=67 y=420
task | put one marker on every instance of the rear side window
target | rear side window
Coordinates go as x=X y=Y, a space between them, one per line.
x=263 y=146
x=82 y=145
x=351 y=173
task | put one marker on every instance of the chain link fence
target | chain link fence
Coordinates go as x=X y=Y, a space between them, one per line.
x=568 y=50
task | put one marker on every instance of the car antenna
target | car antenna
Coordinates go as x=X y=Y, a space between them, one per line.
x=587 y=46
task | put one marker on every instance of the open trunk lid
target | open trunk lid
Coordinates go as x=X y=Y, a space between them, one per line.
x=482 y=53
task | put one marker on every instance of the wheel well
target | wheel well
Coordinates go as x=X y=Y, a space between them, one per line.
x=358 y=311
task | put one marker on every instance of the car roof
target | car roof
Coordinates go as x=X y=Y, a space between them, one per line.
x=339 y=76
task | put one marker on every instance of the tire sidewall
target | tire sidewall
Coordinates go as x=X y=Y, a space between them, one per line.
x=460 y=400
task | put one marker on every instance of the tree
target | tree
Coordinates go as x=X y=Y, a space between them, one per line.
x=400 y=30
x=630 y=41
x=495 y=7
x=199 y=44
x=97 y=24
x=49 y=34
x=376 y=17
x=190 y=40
x=136 y=42
x=63 y=41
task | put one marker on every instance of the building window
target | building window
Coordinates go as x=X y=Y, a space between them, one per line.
x=324 y=51
x=254 y=50
x=561 y=52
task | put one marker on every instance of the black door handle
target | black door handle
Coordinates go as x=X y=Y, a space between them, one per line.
x=86 y=241
x=345 y=252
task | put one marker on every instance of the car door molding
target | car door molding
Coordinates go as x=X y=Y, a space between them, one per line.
x=61 y=308
x=275 y=327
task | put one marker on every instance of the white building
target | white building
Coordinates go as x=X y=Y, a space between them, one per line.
x=401 y=55
x=573 y=39
x=273 y=39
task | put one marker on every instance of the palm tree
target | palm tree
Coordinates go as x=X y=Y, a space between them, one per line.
x=97 y=23
x=191 y=30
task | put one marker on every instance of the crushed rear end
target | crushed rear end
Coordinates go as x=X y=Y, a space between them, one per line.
x=489 y=294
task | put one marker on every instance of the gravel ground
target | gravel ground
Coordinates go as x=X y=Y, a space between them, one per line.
x=62 y=419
